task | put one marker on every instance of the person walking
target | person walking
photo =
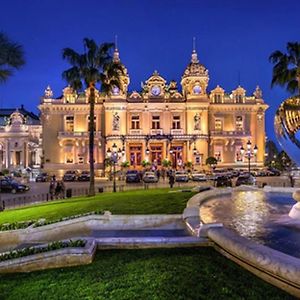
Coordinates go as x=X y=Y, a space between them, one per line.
x=58 y=190
x=171 y=179
x=63 y=190
x=52 y=189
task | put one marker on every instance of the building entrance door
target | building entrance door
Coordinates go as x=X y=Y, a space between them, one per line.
x=135 y=153
x=156 y=155
x=176 y=157
x=18 y=158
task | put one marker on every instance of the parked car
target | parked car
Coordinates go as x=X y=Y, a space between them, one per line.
x=8 y=185
x=197 y=176
x=223 y=181
x=42 y=177
x=133 y=176
x=261 y=173
x=245 y=179
x=150 y=177
x=273 y=172
x=181 y=176
x=84 y=176
x=70 y=176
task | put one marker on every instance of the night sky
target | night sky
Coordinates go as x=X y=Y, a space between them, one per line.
x=234 y=41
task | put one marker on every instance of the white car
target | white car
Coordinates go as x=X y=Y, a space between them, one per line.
x=181 y=176
x=150 y=177
x=197 y=176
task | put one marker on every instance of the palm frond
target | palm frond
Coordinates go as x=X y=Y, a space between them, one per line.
x=71 y=56
x=5 y=74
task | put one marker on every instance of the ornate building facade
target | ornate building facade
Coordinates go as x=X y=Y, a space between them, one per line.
x=20 y=139
x=160 y=122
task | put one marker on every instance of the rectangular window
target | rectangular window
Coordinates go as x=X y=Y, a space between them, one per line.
x=238 y=154
x=239 y=124
x=239 y=99
x=218 y=153
x=218 y=98
x=135 y=122
x=155 y=122
x=69 y=157
x=69 y=123
x=218 y=125
x=176 y=122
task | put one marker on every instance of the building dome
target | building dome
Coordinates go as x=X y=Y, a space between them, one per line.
x=195 y=68
x=195 y=78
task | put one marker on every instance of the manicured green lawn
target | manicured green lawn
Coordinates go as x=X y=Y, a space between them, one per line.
x=156 y=201
x=175 y=274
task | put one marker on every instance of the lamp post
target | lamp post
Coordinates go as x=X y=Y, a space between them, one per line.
x=114 y=156
x=249 y=153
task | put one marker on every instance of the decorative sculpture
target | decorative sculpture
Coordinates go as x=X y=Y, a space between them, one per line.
x=197 y=122
x=116 y=122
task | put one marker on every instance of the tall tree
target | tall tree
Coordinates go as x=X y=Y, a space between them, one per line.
x=93 y=67
x=286 y=70
x=11 y=57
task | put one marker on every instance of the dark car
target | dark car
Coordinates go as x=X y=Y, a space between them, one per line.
x=84 y=176
x=273 y=172
x=245 y=179
x=12 y=186
x=133 y=176
x=42 y=177
x=223 y=181
x=70 y=176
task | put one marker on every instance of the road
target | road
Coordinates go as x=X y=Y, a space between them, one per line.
x=82 y=187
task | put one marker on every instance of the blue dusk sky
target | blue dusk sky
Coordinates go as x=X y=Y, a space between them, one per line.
x=234 y=41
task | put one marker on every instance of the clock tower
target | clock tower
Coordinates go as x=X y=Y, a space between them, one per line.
x=194 y=80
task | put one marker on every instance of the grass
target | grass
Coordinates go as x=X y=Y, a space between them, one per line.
x=181 y=274
x=156 y=201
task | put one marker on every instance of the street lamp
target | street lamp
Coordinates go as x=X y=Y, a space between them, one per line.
x=249 y=153
x=114 y=156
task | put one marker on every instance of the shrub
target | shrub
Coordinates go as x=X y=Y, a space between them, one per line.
x=50 y=247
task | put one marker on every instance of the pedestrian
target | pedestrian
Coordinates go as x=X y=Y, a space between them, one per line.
x=292 y=180
x=163 y=174
x=63 y=189
x=53 y=178
x=58 y=190
x=158 y=174
x=171 y=180
x=52 y=189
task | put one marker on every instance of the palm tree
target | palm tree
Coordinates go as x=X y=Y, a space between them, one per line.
x=286 y=70
x=94 y=66
x=11 y=57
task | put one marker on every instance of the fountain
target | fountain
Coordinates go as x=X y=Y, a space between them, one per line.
x=287 y=125
x=295 y=211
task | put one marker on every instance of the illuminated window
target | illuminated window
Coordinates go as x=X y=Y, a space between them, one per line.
x=135 y=122
x=176 y=122
x=218 y=153
x=69 y=123
x=218 y=98
x=238 y=154
x=239 y=124
x=69 y=159
x=155 y=122
x=218 y=125
x=238 y=98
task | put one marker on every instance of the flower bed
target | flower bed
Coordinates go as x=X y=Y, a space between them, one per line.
x=35 y=250
x=42 y=222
